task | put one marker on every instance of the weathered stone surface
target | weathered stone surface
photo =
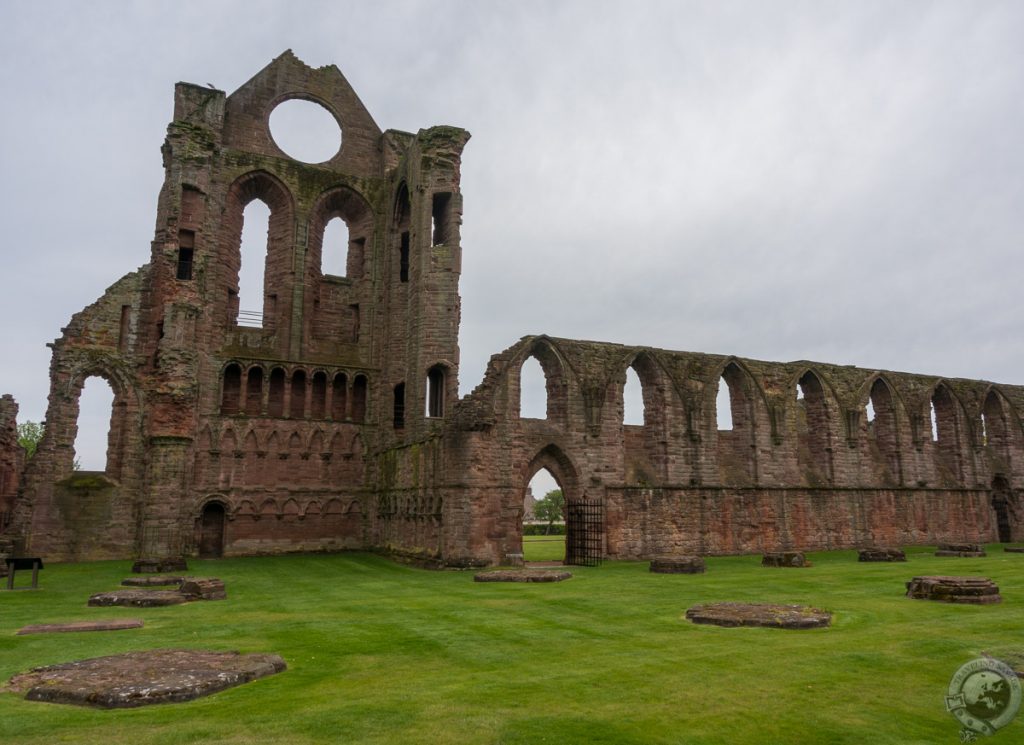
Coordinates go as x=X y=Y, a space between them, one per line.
x=338 y=404
x=12 y=462
x=203 y=588
x=760 y=614
x=962 y=550
x=972 y=590
x=522 y=575
x=141 y=678
x=881 y=554
x=138 y=598
x=115 y=624
x=678 y=565
x=161 y=580
x=1014 y=549
x=785 y=559
x=155 y=566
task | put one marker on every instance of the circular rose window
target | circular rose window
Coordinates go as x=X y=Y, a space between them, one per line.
x=305 y=130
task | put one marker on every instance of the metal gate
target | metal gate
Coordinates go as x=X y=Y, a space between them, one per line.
x=584 y=532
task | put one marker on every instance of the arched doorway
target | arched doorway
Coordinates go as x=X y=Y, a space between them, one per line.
x=1001 y=504
x=584 y=518
x=211 y=531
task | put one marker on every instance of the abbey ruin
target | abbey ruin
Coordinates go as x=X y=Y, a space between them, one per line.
x=331 y=419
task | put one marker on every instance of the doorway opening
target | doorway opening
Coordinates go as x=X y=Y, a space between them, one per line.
x=211 y=531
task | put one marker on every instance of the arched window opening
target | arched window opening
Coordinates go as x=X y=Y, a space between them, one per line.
x=98 y=433
x=632 y=399
x=275 y=393
x=399 y=410
x=880 y=415
x=253 y=256
x=814 y=450
x=335 y=250
x=933 y=421
x=435 y=391
x=359 y=391
x=254 y=391
x=318 y=402
x=996 y=430
x=231 y=393
x=339 y=397
x=297 y=409
x=533 y=394
x=947 y=435
x=723 y=405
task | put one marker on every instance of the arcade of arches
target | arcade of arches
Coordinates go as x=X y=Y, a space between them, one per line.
x=325 y=415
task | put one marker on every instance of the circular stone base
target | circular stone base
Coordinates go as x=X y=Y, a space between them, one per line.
x=881 y=554
x=972 y=590
x=138 y=598
x=785 y=559
x=135 y=679
x=760 y=614
x=521 y=575
x=678 y=565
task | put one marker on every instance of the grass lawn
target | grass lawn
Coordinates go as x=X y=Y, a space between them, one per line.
x=544 y=547
x=384 y=653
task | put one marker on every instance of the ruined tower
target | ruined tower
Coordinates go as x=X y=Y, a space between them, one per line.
x=322 y=414
x=247 y=428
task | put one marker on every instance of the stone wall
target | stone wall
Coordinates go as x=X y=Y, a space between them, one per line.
x=327 y=418
x=12 y=458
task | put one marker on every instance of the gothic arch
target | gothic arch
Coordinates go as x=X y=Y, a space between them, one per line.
x=950 y=433
x=277 y=279
x=816 y=426
x=559 y=465
x=736 y=447
x=557 y=376
x=882 y=435
x=353 y=209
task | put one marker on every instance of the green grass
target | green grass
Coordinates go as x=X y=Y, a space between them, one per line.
x=544 y=547
x=384 y=653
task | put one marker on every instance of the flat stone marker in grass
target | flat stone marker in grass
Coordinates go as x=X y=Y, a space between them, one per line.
x=137 y=598
x=961 y=550
x=152 y=580
x=157 y=676
x=785 y=559
x=973 y=590
x=881 y=554
x=118 y=624
x=522 y=575
x=678 y=565
x=768 y=615
x=1014 y=549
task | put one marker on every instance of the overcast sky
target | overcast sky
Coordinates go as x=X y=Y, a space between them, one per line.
x=833 y=181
